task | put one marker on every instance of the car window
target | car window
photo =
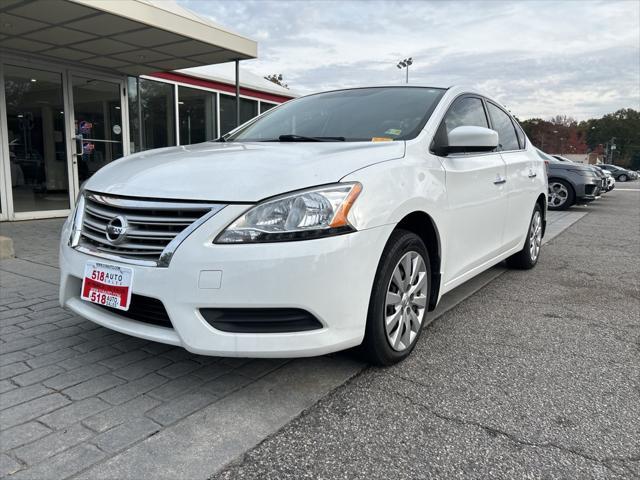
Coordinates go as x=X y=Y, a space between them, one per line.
x=501 y=123
x=466 y=111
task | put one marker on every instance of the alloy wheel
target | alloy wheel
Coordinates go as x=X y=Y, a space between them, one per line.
x=406 y=301
x=558 y=195
x=622 y=178
x=535 y=236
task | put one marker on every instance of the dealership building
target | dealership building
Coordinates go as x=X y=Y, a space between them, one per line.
x=85 y=82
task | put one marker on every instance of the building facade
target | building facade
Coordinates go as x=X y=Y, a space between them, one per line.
x=83 y=83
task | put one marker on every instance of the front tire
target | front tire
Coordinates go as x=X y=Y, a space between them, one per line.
x=399 y=299
x=623 y=178
x=528 y=257
x=561 y=195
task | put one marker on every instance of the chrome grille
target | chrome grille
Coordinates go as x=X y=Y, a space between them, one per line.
x=154 y=227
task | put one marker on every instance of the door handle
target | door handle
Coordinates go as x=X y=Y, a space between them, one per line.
x=79 y=145
x=500 y=181
x=532 y=175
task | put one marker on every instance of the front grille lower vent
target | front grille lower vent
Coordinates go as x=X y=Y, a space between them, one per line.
x=260 y=320
x=151 y=225
x=144 y=309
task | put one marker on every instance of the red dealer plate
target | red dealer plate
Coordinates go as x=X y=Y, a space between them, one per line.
x=108 y=285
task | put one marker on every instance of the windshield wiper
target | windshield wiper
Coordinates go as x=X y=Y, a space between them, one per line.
x=302 y=138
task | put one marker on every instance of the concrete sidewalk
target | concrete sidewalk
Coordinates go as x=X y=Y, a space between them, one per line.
x=80 y=400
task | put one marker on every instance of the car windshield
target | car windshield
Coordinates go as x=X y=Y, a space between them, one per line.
x=361 y=114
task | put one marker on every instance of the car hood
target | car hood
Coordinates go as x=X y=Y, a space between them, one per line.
x=237 y=172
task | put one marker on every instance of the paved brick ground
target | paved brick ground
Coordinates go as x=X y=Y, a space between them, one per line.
x=74 y=395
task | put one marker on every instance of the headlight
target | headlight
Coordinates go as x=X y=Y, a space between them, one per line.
x=303 y=215
x=586 y=173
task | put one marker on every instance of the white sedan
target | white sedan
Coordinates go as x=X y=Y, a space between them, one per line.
x=334 y=220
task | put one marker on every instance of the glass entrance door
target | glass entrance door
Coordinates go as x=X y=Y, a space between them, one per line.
x=37 y=174
x=98 y=115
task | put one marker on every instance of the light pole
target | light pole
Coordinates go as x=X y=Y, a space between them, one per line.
x=405 y=64
x=609 y=149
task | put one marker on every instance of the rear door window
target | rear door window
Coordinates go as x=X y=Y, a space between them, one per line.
x=501 y=123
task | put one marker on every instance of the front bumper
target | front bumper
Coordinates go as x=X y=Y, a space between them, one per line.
x=331 y=278
x=588 y=189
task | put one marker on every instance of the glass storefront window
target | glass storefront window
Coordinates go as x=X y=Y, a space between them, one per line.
x=197 y=115
x=248 y=110
x=264 y=106
x=152 y=114
x=135 y=139
x=36 y=132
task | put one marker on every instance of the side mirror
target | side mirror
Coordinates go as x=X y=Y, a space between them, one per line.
x=470 y=139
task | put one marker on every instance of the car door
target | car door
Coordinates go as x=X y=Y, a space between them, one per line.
x=476 y=194
x=522 y=185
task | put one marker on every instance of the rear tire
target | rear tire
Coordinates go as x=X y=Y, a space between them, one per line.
x=528 y=257
x=399 y=300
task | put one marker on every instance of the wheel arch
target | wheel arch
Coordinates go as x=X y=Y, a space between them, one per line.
x=542 y=201
x=423 y=225
x=565 y=180
x=572 y=186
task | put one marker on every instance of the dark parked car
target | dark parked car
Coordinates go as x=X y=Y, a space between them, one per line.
x=619 y=173
x=570 y=182
x=604 y=185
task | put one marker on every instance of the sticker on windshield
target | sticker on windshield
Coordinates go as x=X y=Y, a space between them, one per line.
x=382 y=139
x=393 y=131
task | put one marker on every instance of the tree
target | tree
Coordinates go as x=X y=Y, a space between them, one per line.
x=560 y=135
x=622 y=129
x=277 y=79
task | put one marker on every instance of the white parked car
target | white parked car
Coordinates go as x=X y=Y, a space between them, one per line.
x=334 y=220
x=611 y=182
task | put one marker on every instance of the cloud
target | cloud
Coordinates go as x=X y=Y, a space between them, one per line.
x=539 y=58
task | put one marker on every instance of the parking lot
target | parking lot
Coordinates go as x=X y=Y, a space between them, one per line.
x=536 y=373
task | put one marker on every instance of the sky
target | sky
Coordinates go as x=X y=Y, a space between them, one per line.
x=579 y=58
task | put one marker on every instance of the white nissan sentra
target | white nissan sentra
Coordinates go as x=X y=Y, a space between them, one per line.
x=334 y=220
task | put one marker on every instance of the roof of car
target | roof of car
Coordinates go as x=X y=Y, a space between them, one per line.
x=453 y=89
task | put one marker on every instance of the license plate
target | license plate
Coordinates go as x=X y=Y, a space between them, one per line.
x=108 y=285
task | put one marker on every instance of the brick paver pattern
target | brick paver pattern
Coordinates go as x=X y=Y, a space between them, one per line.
x=72 y=393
